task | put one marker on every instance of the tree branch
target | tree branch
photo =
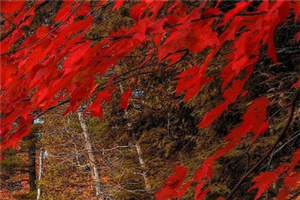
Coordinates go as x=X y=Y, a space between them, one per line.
x=281 y=136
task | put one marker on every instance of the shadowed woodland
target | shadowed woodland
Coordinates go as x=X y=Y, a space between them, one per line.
x=148 y=126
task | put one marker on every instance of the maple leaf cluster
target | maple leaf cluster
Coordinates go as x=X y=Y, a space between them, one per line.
x=57 y=63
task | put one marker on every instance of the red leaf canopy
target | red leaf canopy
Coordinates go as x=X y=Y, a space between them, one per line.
x=59 y=64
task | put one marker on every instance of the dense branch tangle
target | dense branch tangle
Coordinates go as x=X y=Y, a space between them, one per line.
x=58 y=63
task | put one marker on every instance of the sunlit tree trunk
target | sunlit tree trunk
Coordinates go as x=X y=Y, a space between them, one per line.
x=40 y=173
x=139 y=153
x=91 y=157
x=143 y=166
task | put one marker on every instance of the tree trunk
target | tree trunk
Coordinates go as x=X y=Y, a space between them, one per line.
x=91 y=157
x=139 y=152
x=32 y=163
x=143 y=166
x=40 y=173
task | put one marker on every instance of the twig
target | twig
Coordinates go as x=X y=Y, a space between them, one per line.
x=281 y=136
x=282 y=146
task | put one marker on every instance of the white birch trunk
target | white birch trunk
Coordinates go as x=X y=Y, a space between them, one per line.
x=40 y=174
x=143 y=167
x=140 y=156
x=91 y=157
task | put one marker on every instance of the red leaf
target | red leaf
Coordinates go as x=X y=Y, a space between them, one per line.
x=292 y=181
x=282 y=194
x=84 y=9
x=101 y=3
x=75 y=54
x=264 y=180
x=172 y=184
x=295 y=159
x=212 y=115
x=64 y=10
x=177 y=178
x=292 y=177
x=271 y=48
x=11 y=7
x=95 y=108
x=183 y=189
x=238 y=7
x=118 y=4
x=297 y=84
x=201 y=195
x=165 y=193
x=79 y=26
x=191 y=81
x=125 y=99
x=230 y=96
x=42 y=31
x=297 y=36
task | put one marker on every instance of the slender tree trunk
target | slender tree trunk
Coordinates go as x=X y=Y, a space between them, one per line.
x=32 y=163
x=40 y=174
x=139 y=152
x=143 y=166
x=91 y=157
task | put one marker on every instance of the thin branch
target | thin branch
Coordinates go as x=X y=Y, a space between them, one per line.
x=281 y=136
x=282 y=146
